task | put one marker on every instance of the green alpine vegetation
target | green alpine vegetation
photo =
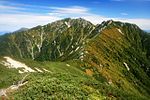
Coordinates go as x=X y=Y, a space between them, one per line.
x=73 y=59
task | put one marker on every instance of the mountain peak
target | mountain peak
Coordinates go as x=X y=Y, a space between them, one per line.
x=22 y=29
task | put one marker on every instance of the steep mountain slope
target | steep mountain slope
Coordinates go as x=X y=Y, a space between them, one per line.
x=59 y=40
x=114 y=55
x=117 y=54
x=146 y=42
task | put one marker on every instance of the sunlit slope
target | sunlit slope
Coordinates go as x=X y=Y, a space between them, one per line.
x=117 y=54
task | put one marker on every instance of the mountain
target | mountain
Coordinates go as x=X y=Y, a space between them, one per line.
x=50 y=42
x=119 y=54
x=110 y=60
x=22 y=29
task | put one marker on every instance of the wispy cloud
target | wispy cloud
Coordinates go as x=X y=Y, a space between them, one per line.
x=17 y=19
x=14 y=16
x=70 y=10
x=124 y=14
x=4 y=7
x=10 y=7
x=22 y=16
x=12 y=22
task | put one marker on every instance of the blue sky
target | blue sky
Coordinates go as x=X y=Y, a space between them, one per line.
x=15 y=14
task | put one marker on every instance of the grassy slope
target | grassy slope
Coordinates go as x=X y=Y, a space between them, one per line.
x=66 y=82
x=146 y=42
x=109 y=51
x=8 y=76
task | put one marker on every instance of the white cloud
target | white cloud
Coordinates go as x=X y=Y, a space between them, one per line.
x=12 y=22
x=95 y=19
x=17 y=19
x=142 y=23
x=20 y=18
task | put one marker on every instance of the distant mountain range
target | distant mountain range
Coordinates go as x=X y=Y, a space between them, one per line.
x=111 y=52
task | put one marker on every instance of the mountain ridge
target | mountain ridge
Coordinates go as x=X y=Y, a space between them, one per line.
x=113 y=53
x=62 y=24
